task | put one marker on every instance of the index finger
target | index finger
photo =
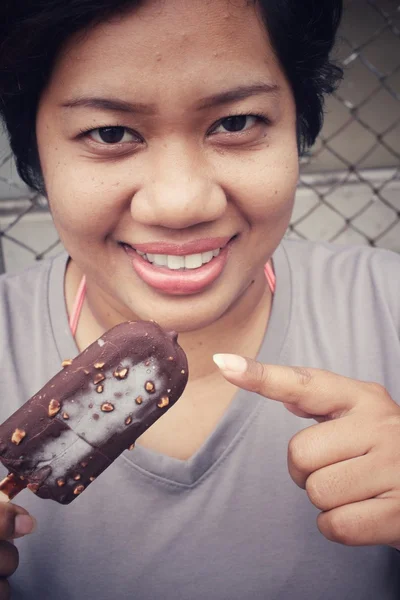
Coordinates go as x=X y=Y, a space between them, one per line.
x=314 y=391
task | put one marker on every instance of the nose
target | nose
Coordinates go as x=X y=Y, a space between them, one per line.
x=180 y=192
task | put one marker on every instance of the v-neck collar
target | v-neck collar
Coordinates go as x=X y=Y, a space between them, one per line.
x=240 y=413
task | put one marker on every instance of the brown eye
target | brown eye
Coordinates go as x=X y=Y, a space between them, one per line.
x=236 y=124
x=233 y=124
x=111 y=135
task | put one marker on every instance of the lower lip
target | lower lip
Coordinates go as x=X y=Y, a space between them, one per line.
x=179 y=283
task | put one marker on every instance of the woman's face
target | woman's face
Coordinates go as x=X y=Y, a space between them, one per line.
x=171 y=132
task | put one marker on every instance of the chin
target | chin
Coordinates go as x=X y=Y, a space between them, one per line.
x=182 y=318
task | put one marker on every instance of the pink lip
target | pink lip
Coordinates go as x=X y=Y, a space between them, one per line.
x=178 y=283
x=193 y=247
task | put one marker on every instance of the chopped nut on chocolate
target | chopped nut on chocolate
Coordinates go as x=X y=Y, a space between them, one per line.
x=131 y=447
x=149 y=387
x=99 y=365
x=79 y=489
x=100 y=389
x=60 y=482
x=183 y=371
x=18 y=436
x=98 y=378
x=139 y=400
x=54 y=408
x=163 y=402
x=86 y=372
x=65 y=416
x=77 y=477
x=107 y=407
x=121 y=373
x=84 y=464
x=128 y=420
x=170 y=358
x=66 y=363
x=92 y=478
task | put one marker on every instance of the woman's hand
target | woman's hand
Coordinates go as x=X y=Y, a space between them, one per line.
x=15 y=522
x=348 y=463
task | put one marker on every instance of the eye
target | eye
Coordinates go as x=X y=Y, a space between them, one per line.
x=236 y=123
x=112 y=135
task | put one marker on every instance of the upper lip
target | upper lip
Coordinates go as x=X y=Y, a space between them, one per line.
x=182 y=249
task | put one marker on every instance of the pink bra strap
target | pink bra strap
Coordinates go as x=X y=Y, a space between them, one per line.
x=81 y=293
x=77 y=307
x=270 y=275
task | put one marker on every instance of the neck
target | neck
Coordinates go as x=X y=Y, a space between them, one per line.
x=240 y=330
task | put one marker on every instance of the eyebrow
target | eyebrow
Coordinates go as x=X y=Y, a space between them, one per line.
x=226 y=97
x=110 y=104
x=239 y=93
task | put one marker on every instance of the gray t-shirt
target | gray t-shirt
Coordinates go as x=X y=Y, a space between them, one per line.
x=228 y=524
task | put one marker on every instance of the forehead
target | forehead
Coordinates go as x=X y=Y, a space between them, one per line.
x=170 y=42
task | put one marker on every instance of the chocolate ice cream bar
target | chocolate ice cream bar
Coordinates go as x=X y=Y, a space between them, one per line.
x=68 y=433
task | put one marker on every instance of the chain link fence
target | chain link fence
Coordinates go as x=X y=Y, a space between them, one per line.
x=349 y=189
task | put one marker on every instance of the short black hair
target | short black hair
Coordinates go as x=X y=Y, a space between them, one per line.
x=33 y=32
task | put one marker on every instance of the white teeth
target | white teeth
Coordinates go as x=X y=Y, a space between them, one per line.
x=207 y=256
x=161 y=260
x=176 y=262
x=193 y=261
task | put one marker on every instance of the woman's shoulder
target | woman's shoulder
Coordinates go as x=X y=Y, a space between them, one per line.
x=324 y=251
x=26 y=327
x=341 y=261
x=353 y=275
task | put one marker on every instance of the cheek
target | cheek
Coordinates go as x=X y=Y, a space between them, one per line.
x=82 y=200
x=265 y=188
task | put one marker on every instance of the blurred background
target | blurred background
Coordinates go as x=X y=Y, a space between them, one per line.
x=349 y=189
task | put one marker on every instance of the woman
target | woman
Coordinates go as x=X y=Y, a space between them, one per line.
x=166 y=137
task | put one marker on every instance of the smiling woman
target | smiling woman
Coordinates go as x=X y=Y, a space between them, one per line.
x=183 y=170
x=166 y=137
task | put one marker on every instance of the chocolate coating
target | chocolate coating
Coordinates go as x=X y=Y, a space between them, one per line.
x=68 y=433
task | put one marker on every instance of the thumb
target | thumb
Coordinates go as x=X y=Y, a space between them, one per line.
x=15 y=521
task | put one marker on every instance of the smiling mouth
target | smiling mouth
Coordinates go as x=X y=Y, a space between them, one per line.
x=181 y=262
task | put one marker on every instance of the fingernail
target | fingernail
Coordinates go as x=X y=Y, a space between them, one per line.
x=230 y=362
x=24 y=524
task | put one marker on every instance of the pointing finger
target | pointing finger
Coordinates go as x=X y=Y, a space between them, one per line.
x=312 y=391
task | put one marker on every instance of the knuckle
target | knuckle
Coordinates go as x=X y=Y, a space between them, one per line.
x=337 y=528
x=298 y=454
x=303 y=375
x=317 y=492
x=261 y=377
x=376 y=389
x=263 y=374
